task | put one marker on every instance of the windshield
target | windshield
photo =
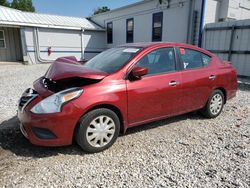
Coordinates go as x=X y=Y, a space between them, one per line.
x=112 y=60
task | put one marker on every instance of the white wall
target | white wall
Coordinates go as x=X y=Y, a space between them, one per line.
x=212 y=11
x=244 y=7
x=62 y=43
x=234 y=9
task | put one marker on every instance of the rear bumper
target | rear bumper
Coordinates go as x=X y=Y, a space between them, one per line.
x=231 y=93
x=49 y=129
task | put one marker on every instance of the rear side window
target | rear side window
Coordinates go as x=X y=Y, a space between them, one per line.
x=159 y=61
x=205 y=59
x=192 y=59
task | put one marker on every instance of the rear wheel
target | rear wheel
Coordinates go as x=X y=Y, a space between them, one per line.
x=97 y=130
x=214 y=104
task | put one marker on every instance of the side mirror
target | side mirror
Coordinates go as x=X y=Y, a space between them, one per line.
x=138 y=72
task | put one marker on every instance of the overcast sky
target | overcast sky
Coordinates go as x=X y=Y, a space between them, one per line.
x=80 y=8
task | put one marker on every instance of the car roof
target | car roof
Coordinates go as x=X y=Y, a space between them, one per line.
x=161 y=44
x=144 y=44
x=152 y=44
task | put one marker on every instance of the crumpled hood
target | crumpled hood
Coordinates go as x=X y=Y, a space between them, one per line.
x=68 y=67
x=66 y=73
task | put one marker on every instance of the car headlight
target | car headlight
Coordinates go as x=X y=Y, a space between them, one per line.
x=54 y=103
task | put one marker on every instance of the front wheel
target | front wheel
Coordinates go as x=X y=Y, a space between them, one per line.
x=97 y=130
x=214 y=104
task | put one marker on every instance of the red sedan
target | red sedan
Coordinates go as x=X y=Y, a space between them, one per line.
x=121 y=88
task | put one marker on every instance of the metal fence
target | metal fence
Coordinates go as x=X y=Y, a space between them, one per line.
x=231 y=42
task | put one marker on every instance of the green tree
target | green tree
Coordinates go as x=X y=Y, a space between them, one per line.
x=101 y=10
x=4 y=3
x=24 y=5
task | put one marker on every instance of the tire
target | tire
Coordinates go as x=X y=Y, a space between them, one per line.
x=97 y=130
x=214 y=104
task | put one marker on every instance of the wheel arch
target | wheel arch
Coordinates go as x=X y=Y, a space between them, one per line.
x=115 y=109
x=223 y=90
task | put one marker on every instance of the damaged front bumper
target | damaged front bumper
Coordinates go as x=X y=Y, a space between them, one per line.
x=55 y=129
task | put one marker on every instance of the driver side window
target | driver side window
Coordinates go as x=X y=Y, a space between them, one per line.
x=159 y=61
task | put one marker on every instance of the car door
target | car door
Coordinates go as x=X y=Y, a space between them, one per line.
x=197 y=78
x=156 y=94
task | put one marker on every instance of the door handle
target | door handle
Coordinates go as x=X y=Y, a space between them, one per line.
x=173 y=83
x=212 y=77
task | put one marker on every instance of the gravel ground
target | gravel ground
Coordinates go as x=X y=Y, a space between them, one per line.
x=184 y=151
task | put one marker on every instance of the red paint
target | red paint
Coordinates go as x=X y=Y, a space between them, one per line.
x=139 y=72
x=139 y=101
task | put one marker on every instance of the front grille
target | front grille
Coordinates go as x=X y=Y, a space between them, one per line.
x=26 y=98
x=23 y=101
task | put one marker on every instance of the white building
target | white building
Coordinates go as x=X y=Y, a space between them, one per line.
x=38 y=38
x=167 y=20
x=233 y=10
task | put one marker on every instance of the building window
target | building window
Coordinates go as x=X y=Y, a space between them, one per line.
x=157 y=27
x=2 y=39
x=110 y=33
x=130 y=30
